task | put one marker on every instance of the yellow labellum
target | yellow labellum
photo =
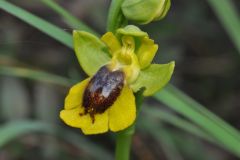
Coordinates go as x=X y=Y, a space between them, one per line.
x=117 y=117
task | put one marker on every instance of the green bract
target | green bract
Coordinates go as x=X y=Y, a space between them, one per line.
x=130 y=50
x=145 y=11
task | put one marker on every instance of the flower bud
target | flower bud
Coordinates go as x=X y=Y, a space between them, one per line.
x=145 y=11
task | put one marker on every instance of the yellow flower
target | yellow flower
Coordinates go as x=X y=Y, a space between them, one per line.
x=117 y=65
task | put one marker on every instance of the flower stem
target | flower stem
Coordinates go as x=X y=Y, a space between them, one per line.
x=115 y=16
x=116 y=19
x=123 y=147
x=124 y=138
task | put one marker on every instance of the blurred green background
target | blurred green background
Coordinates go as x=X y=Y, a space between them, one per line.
x=36 y=72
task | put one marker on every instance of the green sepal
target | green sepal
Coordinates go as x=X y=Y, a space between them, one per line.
x=131 y=30
x=165 y=11
x=91 y=51
x=153 y=78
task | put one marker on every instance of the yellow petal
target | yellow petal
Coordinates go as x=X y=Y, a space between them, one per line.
x=74 y=97
x=111 y=41
x=146 y=52
x=72 y=118
x=99 y=126
x=123 y=112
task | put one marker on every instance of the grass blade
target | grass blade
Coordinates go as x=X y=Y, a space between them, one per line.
x=44 y=26
x=70 y=19
x=217 y=130
x=202 y=110
x=162 y=135
x=13 y=130
x=227 y=14
x=177 y=122
x=35 y=75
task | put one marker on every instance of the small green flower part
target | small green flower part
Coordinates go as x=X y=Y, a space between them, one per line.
x=117 y=65
x=145 y=11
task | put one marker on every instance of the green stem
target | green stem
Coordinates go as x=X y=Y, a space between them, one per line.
x=115 y=16
x=124 y=138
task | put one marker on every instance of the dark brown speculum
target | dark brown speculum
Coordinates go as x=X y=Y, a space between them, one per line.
x=102 y=91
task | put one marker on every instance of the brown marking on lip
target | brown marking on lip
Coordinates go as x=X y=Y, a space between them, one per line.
x=102 y=91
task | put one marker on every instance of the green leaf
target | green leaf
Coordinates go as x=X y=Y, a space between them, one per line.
x=227 y=13
x=38 y=23
x=91 y=51
x=70 y=19
x=35 y=75
x=153 y=78
x=177 y=121
x=227 y=136
x=13 y=130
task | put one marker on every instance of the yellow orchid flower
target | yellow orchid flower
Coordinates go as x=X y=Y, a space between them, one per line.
x=118 y=65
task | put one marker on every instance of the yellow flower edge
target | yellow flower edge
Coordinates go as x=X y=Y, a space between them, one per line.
x=117 y=117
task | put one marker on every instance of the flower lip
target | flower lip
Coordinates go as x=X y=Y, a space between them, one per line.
x=102 y=91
